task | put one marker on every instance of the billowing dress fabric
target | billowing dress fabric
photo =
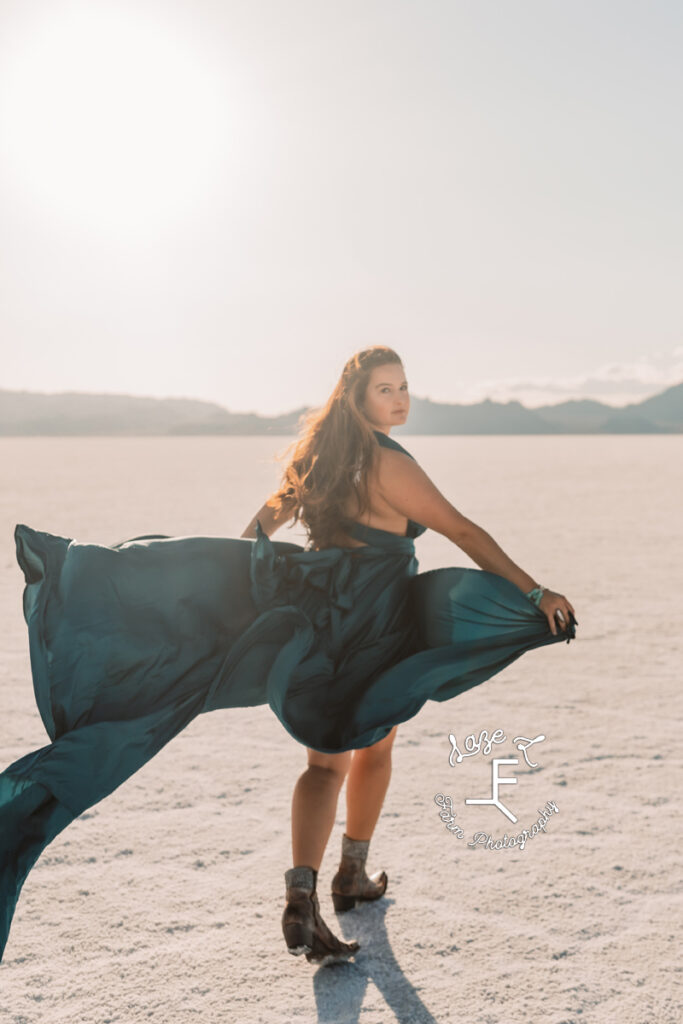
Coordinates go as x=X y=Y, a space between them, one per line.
x=130 y=642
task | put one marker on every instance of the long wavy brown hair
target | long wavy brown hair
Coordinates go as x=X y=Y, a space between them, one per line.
x=331 y=461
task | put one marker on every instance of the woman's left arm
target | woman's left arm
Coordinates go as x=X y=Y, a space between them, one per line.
x=408 y=489
x=487 y=553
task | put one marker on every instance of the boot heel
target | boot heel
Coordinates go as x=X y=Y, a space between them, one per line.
x=342 y=902
x=351 y=884
x=299 y=938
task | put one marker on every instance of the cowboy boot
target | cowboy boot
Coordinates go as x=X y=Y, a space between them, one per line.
x=302 y=924
x=351 y=884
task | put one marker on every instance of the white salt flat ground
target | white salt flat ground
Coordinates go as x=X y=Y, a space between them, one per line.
x=163 y=902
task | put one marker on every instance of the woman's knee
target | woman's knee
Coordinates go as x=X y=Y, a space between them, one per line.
x=378 y=753
x=336 y=765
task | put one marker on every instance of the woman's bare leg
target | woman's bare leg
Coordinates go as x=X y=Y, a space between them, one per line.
x=314 y=805
x=366 y=786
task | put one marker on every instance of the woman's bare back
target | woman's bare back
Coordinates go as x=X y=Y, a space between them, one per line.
x=380 y=514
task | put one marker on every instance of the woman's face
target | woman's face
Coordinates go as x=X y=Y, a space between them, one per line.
x=387 y=402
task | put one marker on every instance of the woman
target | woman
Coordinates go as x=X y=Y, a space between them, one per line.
x=389 y=493
x=343 y=640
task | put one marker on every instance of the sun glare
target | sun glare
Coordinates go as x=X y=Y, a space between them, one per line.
x=113 y=120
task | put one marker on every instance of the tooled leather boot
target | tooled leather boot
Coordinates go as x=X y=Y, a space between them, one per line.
x=302 y=924
x=351 y=884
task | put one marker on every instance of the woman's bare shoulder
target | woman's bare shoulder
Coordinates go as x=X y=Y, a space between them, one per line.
x=405 y=486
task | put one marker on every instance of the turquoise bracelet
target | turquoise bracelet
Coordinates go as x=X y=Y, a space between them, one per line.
x=536 y=594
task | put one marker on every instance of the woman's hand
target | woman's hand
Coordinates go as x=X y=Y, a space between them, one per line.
x=551 y=604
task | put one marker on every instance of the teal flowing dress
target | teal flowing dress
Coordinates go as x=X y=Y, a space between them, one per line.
x=130 y=642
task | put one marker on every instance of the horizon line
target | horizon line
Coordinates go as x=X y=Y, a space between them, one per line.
x=263 y=415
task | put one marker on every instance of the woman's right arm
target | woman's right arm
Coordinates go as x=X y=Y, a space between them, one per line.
x=269 y=519
x=408 y=489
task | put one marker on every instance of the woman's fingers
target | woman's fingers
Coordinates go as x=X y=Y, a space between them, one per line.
x=557 y=611
x=566 y=612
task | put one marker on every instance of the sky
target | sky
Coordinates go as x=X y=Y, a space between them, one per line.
x=224 y=200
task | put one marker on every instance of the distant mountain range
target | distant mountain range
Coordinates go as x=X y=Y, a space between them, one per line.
x=28 y=413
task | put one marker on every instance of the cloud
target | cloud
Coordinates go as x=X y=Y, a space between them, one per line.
x=614 y=383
